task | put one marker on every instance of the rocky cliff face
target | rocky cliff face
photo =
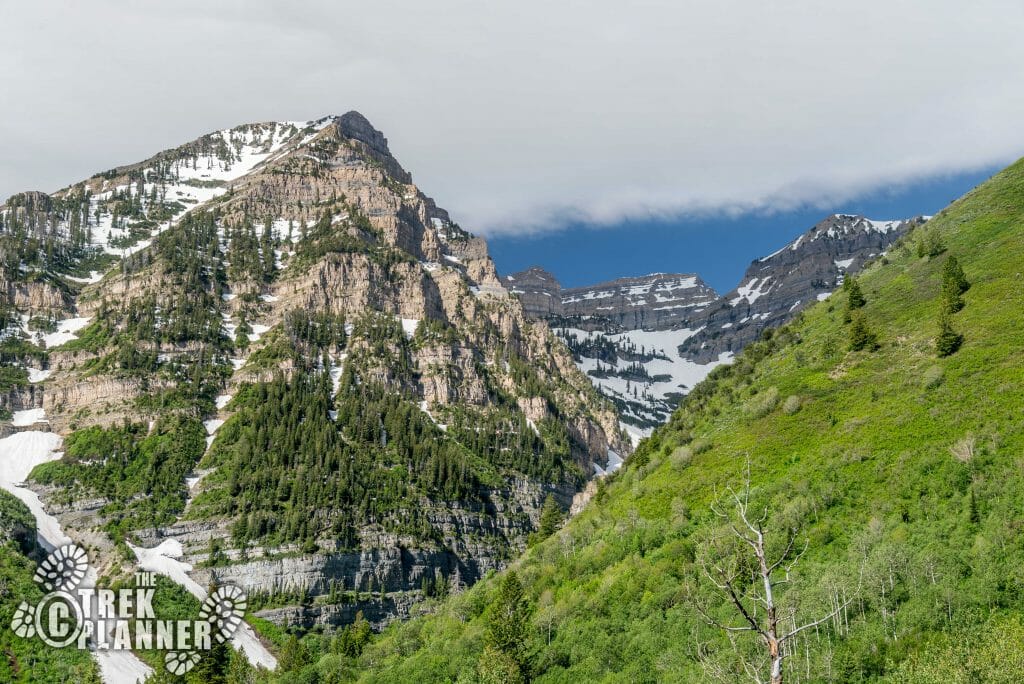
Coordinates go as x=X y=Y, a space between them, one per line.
x=262 y=256
x=776 y=287
x=538 y=290
x=645 y=342
x=657 y=301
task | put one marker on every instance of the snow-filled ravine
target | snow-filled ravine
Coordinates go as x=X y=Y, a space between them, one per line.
x=670 y=374
x=19 y=454
x=65 y=332
x=165 y=559
x=23 y=451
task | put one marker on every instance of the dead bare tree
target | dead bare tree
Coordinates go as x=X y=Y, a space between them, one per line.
x=747 y=574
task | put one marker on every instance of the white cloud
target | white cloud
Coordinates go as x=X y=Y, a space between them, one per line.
x=514 y=115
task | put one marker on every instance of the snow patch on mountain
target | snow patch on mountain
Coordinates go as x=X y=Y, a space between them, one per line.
x=843 y=264
x=19 y=454
x=37 y=375
x=648 y=373
x=164 y=559
x=66 y=330
x=752 y=291
x=28 y=417
x=179 y=181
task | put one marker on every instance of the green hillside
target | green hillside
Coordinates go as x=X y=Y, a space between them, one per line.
x=901 y=469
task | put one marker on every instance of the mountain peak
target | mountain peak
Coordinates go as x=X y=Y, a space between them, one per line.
x=270 y=259
x=354 y=125
x=533 y=273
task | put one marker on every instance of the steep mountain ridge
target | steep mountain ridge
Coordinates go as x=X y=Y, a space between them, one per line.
x=777 y=286
x=189 y=312
x=657 y=301
x=647 y=341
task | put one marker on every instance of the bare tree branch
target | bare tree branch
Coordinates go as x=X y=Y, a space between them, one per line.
x=724 y=573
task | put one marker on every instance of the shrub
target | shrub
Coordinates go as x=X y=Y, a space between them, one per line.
x=762 y=404
x=681 y=457
x=930 y=244
x=699 y=446
x=932 y=377
x=791 y=405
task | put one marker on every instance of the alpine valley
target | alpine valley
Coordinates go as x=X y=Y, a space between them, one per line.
x=266 y=358
x=645 y=342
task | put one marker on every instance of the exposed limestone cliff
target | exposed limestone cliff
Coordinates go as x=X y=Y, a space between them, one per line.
x=217 y=247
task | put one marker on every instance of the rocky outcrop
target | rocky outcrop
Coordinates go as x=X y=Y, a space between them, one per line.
x=22 y=398
x=37 y=299
x=658 y=301
x=655 y=302
x=538 y=290
x=385 y=577
x=378 y=609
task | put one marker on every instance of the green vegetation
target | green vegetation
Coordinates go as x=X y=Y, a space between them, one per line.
x=861 y=337
x=948 y=340
x=17 y=526
x=252 y=253
x=281 y=457
x=140 y=472
x=506 y=657
x=929 y=243
x=344 y=229
x=29 y=660
x=954 y=285
x=550 y=520
x=854 y=297
x=222 y=664
x=289 y=472
x=41 y=235
x=901 y=470
x=308 y=458
x=12 y=377
x=186 y=308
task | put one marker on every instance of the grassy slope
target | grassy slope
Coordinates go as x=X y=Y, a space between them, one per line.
x=866 y=461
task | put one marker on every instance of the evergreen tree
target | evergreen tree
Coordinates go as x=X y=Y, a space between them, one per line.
x=293 y=655
x=213 y=666
x=955 y=273
x=954 y=284
x=861 y=337
x=359 y=633
x=508 y=623
x=550 y=518
x=948 y=340
x=854 y=295
x=972 y=508
x=854 y=298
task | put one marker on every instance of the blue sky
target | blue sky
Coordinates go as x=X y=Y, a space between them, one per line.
x=719 y=248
